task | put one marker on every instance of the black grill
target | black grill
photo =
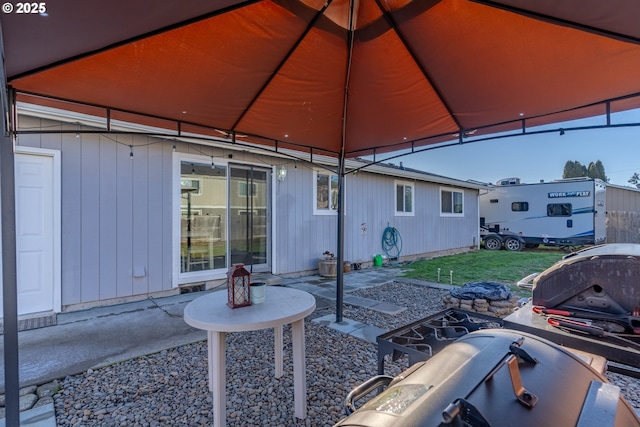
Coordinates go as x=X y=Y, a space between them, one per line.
x=589 y=301
x=491 y=378
x=425 y=337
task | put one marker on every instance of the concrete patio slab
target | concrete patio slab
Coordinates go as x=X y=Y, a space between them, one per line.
x=360 y=302
x=325 y=293
x=368 y=333
x=387 y=308
x=351 y=327
x=42 y=416
x=322 y=303
x=346 y=326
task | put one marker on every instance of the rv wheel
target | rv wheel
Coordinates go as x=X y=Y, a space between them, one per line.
x=492 y=243
x=513 y=244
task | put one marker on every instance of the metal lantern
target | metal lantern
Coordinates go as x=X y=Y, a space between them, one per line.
x=238 y=280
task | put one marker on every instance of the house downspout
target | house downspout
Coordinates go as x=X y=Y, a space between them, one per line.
x=478 y=231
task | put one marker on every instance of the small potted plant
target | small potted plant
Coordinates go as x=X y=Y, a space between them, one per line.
x=328 y=265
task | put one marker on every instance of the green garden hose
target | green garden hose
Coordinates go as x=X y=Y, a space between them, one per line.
x=391 y=243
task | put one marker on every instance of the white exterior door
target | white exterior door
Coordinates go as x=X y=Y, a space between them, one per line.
x=37 y=231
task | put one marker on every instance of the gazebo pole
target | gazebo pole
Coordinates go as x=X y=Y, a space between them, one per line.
x=341 y=169
x=340 y=245
x=9 y=271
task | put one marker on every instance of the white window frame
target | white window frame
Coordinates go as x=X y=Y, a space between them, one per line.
x=451 y=190
x=404 y=184
x=198 y=192
x=243 y=190
x=328 y=211
x=180 y=278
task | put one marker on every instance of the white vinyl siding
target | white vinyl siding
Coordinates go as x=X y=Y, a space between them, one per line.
x=121 y=215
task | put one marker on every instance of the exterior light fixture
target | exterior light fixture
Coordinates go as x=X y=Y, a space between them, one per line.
x=282 y=173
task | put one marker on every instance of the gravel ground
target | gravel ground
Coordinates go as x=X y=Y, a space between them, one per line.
x=170 y=387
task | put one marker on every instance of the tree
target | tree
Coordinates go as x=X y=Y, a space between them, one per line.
x=596 y=170
x=574 y=169
x=635 y=180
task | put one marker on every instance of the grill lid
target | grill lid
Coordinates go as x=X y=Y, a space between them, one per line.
x=604 y=279
x=485 y=379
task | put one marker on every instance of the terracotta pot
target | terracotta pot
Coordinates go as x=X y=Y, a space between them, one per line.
x=346 y=266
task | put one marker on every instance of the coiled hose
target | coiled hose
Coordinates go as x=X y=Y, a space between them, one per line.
x=391 y=243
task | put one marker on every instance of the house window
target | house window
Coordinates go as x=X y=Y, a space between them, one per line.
x=520 y=206
x=404 y=198
x=193 y=184
x=245 y=189
x=325 y=193
x=451 y=202
x=559 y=209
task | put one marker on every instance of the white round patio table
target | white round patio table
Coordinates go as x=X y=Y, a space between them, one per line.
x=282 y=306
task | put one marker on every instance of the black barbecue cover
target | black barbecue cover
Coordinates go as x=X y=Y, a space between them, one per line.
x=491 y=291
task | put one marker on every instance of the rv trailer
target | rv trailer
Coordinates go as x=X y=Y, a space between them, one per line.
x=568 y=212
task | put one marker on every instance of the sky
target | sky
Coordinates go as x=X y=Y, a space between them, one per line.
x=533 y=158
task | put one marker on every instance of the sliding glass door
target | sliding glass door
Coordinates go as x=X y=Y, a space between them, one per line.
x=224 y=217
x=248 y=216
x=203 y=213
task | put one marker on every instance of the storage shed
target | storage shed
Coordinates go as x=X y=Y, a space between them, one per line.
x=623 y=214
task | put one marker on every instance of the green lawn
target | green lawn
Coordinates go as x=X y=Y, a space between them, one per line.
x=484 y=266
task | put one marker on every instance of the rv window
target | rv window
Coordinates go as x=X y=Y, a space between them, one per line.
x=559 y=209
x=520 y=206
